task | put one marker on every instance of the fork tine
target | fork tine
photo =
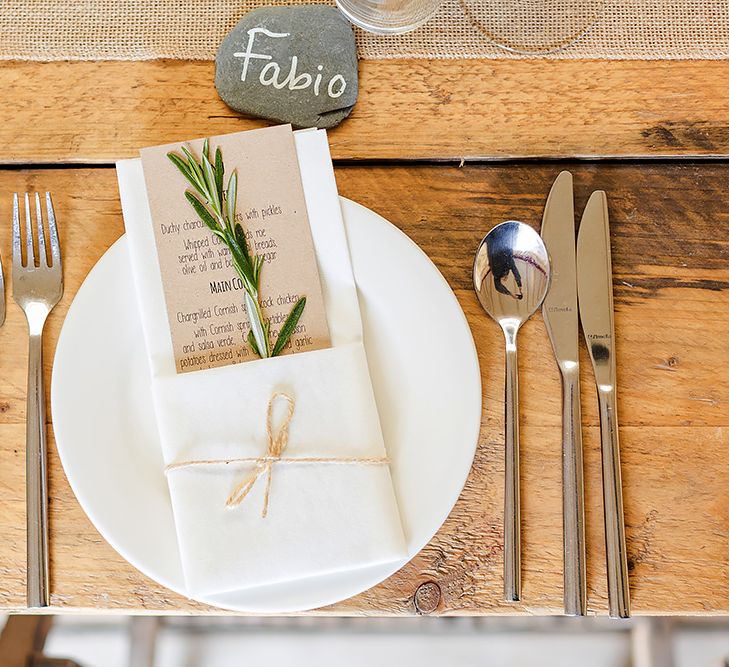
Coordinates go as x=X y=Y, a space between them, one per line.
x=17 y=257
x=42 y=257
x=55 y=244
x=29 y=256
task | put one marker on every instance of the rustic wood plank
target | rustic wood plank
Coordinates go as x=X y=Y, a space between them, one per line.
x=670 y=228
x=97 y=112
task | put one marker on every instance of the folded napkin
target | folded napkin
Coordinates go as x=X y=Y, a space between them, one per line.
x=322 y=517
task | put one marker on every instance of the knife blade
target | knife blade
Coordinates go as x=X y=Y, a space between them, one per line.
x=560 y=316
x=595 y=296
x=560 y=305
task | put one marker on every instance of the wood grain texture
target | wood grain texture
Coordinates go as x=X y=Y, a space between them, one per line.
x=100 y=111
x=670 y=231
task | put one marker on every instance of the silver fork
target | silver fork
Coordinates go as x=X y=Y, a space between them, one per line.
x=36 y=289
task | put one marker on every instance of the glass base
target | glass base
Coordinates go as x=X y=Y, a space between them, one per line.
x=533 y=27
x=388 y=17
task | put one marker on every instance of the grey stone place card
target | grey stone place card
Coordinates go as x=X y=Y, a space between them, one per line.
x=293 y=65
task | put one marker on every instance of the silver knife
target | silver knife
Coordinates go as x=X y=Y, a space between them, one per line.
x=595 y=290
x=560 y=316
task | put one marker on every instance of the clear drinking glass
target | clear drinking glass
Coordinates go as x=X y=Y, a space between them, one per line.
x=388 y=16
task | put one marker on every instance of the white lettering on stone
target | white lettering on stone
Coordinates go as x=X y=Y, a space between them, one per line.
x=300 y=82
x=273 y=80
x=248 y=53
x=330 y=87
x=270 y=72
x=318 y=79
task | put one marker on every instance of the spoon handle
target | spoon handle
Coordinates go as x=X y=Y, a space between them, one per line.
x=612 y=489
x=573 y=497
x=512 y=520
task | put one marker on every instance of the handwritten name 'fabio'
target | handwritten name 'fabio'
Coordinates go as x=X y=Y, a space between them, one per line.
x=270 y=74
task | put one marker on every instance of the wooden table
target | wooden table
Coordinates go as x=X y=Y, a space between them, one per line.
x=445 y=150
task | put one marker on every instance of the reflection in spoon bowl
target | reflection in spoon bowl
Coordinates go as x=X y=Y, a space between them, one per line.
x=511 y=272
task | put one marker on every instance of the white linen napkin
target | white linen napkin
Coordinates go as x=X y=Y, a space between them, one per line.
x=322 y=518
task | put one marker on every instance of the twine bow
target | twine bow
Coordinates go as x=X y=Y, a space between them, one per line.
x=277 y=442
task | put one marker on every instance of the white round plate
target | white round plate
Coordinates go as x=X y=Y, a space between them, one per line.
x=424 y=371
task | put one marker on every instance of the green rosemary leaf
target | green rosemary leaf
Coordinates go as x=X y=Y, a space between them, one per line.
x=202 y=212
x=219 y=171
x=212 y=186
x=257 y=269
x=206 y=148
x=220 y=234
x=244 y=268
x=196 y=177
x=194 y=168
x=230 y=197
x=288 y=327
x=184 y=168
x=252 y=342
x=257 y=329
x=240 y=238
x=241 y=257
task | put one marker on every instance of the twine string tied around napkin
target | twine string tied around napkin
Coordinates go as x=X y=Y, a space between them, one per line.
x=277 y=442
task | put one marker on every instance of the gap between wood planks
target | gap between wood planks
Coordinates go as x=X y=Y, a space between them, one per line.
x=444 y=162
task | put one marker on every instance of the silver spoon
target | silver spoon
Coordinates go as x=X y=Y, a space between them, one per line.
x=511 y=276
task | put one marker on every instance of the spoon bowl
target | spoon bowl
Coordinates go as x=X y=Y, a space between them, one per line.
x=511 y=272
x=511 y=275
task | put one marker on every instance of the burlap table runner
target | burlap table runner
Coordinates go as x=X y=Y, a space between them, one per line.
x=192 y=29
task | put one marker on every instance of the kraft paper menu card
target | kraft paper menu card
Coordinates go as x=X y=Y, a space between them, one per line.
x=204 y=295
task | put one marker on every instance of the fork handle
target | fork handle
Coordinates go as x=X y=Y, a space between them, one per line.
x=36 y=479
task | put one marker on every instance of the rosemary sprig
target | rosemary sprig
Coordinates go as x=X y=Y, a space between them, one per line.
x=215 y=206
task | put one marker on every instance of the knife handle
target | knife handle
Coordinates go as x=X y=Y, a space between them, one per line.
x=512 y=518
x=573 y=497
x=617 y=561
